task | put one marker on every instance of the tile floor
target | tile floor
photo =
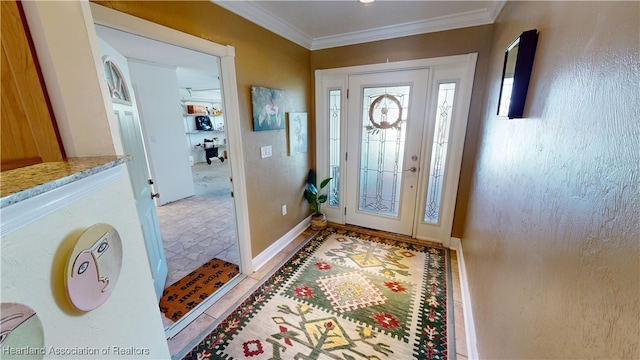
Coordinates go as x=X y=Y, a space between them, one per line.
x=460 y=333
x=201 y=227
x=195 y=331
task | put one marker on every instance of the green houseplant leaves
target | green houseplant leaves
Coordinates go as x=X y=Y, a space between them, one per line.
x=312 y=192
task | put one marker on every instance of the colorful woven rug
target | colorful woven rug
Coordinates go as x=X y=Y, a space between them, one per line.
x=183 y=295
x=344 y=295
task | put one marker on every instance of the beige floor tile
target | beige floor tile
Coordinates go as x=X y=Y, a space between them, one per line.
x=280 y=257
x=190 y=333
x=461 y=340
x=298 y=240
x=231 y=298
x=460 y=335
x=266 y=268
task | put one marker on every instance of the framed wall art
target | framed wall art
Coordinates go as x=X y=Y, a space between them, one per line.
x=516 y=73
x=268 y=108
x=297 y=132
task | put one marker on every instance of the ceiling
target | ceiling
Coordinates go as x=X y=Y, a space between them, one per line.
x=313 y=25
x=325 y=24
x=194 y=69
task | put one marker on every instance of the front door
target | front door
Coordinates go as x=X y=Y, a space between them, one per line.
x=115 y=66
x=386 y=117
x=391 y=136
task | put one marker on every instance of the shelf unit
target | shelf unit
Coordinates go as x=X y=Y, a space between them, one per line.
x=195 y=137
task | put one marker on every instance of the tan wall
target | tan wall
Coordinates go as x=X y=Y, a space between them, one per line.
x=552 y=236
x=454 y=42
x=262 y=59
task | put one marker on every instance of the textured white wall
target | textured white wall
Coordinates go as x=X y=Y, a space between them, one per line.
x=552 y=237
x=33 y=266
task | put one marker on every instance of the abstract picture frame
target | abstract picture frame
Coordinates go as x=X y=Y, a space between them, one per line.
x=93 y=267
x=298 y=136
x=267 y=108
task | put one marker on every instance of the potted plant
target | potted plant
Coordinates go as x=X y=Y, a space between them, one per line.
x=315 y=199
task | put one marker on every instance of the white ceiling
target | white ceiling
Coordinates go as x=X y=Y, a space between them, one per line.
x=325 y=24
x=313 y=25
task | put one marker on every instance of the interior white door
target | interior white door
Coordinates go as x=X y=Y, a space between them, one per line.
x=122 y=98
x=386 y=117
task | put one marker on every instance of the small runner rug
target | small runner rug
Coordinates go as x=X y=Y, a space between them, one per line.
x=183 y=295
x=344 y=295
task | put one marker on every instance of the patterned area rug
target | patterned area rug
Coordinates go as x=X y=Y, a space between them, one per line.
x=344 y=295
x=183 y=295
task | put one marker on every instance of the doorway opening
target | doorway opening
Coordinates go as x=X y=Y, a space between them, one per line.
x=215 y=228
x=200 y=227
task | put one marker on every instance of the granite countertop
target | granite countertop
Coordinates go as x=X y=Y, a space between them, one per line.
x=21 y=184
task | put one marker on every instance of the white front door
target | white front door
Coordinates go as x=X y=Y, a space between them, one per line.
x=394 y=145
x=386 y=117
x=122 y=98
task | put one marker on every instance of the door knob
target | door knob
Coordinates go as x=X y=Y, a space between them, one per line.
x=156 y=195
x=412 y=169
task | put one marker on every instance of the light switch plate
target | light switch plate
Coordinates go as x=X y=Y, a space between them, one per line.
x=265 y=151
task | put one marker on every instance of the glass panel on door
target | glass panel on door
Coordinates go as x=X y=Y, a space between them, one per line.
x=435 y=181
x=384 y=116
x=334 y=146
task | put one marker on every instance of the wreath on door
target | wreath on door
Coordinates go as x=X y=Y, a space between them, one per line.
x=383 y=122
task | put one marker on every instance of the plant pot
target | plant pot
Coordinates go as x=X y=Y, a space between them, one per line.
x=318 y=222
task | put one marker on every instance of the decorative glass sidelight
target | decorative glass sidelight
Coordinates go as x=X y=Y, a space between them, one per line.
x=334 y=146
x=384 y=119
x=435 y=180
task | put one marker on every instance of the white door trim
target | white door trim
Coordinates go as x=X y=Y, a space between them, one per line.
x=125 y=22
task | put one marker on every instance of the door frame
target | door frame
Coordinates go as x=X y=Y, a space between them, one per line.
x=458 y=68
x=125 y=22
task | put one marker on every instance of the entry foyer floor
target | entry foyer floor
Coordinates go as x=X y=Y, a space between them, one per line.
x=196 y=330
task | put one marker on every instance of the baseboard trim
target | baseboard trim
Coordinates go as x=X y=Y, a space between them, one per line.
x=280 y=244
x=455 y=243
x=470 y=329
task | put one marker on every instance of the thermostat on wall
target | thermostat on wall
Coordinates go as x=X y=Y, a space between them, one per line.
x=265 y=151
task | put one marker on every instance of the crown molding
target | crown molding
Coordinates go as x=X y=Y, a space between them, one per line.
x=443 y=23
x=253 y=13
x=258 y=16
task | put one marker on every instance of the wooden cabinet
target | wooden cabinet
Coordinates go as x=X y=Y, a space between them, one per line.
x=29 y=133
